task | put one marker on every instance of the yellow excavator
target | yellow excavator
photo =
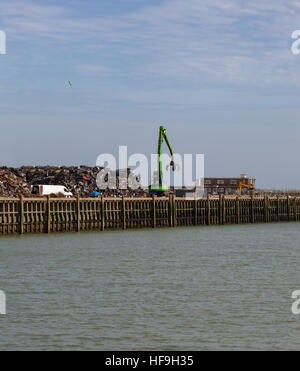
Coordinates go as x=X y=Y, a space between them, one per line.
x=249 y=186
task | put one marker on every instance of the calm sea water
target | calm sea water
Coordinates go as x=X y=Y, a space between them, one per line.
x=209 y=288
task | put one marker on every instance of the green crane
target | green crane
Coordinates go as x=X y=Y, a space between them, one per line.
x=161 y=189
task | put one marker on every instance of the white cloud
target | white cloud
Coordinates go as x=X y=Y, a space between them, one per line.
x=230 y=41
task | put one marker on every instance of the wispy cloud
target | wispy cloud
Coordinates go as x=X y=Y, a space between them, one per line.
x=206 y=41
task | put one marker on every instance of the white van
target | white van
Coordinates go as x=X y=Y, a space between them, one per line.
x=44 y=190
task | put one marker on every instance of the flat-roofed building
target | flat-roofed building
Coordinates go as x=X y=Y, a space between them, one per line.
x=229 y=186
x=219 y=186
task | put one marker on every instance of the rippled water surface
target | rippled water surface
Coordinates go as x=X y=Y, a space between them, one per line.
x=209 y=288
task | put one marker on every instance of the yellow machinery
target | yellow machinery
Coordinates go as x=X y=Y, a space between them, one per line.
x=249 y=186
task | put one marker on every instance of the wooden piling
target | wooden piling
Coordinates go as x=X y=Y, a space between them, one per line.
x=220 y=210
x=238 y=216
x=78 y=215
x=102 y=213
x=124 y=213
x=174 y=210
x=223 y=210
x=175 y=222
x=171 y=210
x=48 y=214
x=195 y=211
x=266 y=209
x=154 y=211
x=252 y=210
x=208 y=210
x=288 y=208
x=21 y=214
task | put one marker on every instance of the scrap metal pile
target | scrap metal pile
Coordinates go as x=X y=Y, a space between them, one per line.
x=79 y=180
x=12 y=185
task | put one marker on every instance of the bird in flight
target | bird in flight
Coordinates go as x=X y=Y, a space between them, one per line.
x=70 y=84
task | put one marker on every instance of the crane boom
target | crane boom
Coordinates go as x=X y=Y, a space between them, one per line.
x=250 y=186
x=162 y=137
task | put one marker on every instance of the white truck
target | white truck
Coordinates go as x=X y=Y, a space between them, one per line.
x=44 y=190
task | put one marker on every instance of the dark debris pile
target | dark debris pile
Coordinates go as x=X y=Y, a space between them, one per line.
x=12 y=185
x=80 y=180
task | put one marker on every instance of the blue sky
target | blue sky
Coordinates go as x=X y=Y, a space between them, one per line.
x=219 y=74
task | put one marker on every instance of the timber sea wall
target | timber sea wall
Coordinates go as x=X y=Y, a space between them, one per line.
x=50 y=215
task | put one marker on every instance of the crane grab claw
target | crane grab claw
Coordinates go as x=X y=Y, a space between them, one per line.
x=173 y=166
